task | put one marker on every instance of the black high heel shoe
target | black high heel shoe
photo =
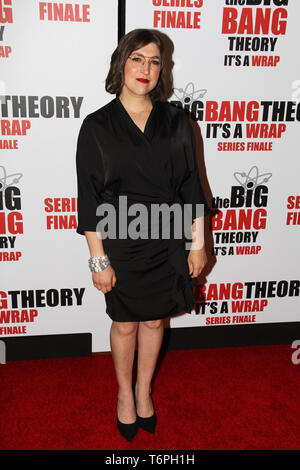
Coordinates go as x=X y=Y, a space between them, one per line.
x=127 y=430
x=148 y=424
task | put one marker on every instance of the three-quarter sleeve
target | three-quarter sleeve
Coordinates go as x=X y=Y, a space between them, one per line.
x=90 y=176
x=190 y=190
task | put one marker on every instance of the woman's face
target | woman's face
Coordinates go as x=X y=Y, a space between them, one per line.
x=137 y=67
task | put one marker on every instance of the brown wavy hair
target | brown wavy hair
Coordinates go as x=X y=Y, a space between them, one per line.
x=132 y=41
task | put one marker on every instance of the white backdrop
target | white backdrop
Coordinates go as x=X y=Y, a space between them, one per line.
x=52 y=75
x=199 y=68
x=54 y=59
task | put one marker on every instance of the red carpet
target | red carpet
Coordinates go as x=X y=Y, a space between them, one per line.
x=227 y=398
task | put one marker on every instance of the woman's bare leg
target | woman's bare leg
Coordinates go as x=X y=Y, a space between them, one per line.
x=150 y=336
x=123 y=341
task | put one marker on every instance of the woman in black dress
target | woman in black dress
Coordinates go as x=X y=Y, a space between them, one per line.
x=142 y=149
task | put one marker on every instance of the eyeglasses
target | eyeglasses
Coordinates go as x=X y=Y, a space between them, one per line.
x=139 y=61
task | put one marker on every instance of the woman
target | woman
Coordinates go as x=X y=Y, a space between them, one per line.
x=140 y=147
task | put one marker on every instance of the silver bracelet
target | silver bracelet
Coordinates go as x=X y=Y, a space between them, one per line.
x=98 y=263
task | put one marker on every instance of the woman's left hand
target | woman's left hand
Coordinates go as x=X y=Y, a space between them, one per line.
x=196 y=260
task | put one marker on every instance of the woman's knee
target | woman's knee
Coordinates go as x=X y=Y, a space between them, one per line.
x=154 y=324
x=125 y=328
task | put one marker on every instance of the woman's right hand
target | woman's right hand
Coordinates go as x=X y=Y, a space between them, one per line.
x=105 y=280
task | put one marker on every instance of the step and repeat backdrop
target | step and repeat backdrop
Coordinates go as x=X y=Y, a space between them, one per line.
x=236 y=69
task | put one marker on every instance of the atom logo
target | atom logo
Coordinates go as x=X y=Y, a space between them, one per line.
x=188 y=94
x=252 y=177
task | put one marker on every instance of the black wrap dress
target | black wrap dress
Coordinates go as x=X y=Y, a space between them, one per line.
x=115 y=158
